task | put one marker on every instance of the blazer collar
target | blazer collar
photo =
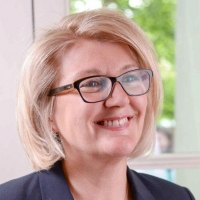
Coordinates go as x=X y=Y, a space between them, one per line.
x=138 y=189
x=54 y=186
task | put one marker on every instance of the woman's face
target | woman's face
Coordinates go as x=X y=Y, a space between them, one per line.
x=80 y=124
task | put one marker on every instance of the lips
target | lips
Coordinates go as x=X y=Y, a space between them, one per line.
x=114 y=122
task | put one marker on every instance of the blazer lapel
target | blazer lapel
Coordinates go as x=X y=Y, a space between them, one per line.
x=138 y=189
x=53 y=184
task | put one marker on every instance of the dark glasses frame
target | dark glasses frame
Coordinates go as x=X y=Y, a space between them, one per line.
x=69 y=87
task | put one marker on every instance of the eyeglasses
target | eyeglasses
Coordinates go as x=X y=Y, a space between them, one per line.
x=94 y=89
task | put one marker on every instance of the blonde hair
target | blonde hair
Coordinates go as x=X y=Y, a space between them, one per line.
x=40 y=71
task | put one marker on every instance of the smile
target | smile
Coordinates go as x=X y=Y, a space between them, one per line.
x=114 y=123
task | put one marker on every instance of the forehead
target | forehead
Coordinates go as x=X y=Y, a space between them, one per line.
x=90 y=57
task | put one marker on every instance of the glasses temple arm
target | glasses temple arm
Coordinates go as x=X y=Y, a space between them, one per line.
x=62 y=89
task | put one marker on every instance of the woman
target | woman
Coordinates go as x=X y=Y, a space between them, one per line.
x=88 y=99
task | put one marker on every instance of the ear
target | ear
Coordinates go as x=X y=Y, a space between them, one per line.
x=52 y=121
x=53 y=125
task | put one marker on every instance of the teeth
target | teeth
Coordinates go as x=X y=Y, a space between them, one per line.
x=109 y=123
x=114 y=122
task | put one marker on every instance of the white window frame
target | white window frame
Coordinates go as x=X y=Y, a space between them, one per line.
x=167 y=161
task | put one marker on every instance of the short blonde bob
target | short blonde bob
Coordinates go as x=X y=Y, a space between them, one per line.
x=40 y=72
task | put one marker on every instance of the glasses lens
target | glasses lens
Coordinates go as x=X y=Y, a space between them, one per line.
x=95 y=88
x=136 y=82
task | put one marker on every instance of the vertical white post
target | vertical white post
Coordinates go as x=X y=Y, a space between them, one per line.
x=187 y=100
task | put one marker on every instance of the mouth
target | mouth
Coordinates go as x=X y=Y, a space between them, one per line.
x=114 y=123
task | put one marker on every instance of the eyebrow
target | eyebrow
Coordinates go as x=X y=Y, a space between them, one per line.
x=135 y=66
x=85 y=73
x=95 y=71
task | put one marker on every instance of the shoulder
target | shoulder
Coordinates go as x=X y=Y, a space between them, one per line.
x=21 y=188
x=160 y=188
x=46 y=184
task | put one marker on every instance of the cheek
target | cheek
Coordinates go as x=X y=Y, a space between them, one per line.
x=70 y=114
x=61 y=112
x=139 y=104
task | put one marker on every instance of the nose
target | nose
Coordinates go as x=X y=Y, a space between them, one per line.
x=118 y=97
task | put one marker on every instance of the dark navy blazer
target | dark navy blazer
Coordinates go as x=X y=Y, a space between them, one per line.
x=51 y=185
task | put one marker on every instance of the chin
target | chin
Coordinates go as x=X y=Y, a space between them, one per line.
x=121 y=148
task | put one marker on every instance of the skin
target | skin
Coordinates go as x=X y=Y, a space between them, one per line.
x=90 y=147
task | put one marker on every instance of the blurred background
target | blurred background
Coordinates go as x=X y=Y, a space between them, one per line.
x=174 y=28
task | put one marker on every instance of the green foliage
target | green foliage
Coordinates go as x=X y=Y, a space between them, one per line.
x=157 y=19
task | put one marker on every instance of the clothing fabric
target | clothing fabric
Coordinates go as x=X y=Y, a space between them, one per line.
x=51 y=185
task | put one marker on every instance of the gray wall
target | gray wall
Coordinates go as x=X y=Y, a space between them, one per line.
x=16 y=35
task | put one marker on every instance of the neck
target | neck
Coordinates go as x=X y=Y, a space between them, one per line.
x=97 y=178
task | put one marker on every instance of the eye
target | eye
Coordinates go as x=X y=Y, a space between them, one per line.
x=130 y=78
x=91 y=85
